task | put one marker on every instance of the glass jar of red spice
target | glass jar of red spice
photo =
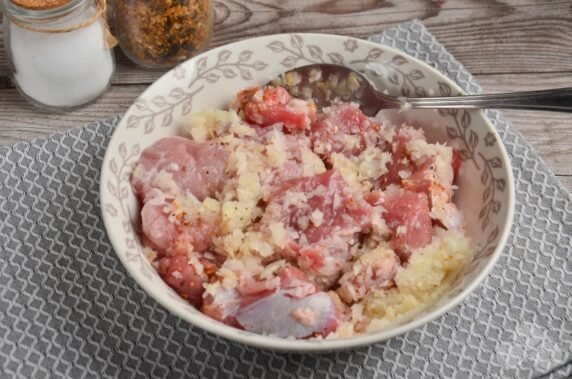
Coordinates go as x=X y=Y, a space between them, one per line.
x=163 y=33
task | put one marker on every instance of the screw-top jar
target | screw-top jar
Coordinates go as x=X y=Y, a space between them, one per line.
x=163 y=33
x=59 y=50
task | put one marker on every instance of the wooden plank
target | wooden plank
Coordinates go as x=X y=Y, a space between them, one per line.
x=487 y=36
x=548 y=132
x=495 y=83
x=21 y=121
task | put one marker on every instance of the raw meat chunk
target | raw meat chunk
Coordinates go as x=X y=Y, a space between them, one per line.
x=178 y=166
x=273 y=105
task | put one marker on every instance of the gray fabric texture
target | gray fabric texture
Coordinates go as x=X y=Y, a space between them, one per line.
x=68 y=308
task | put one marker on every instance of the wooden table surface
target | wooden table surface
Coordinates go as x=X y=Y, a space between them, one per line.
x=509 y=45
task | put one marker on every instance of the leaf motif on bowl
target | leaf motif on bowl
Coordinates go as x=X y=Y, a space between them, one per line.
x=336 y=58
x=315 y=52
x=118 y=186
x=393 y=71
x=492 y=185
x=462 y=131
x=109 y=208
x=276 y=46
x=299 y=51
x=399 y=60
x=179 y=72
x=161 y=108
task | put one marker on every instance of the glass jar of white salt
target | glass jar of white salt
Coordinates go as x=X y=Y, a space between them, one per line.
x=60 y=51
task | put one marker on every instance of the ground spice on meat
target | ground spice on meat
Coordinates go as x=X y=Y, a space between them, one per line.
x=163 y=32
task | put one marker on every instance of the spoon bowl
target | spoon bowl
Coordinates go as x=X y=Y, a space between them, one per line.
x=329 y=83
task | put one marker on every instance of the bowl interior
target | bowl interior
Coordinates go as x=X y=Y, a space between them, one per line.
x=485 y=194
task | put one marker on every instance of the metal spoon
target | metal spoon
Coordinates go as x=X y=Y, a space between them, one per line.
x=327 y=83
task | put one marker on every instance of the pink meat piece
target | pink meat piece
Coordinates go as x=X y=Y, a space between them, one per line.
x=159 y=232
x=324 y=261
x=329 y=133
x=400 y=163
x=407 y=215
x=293 y=166
x=283 y=316
x=322 y=247
x=225 y=303
x=372 y=271
x=183 y=278
x=175 y=235
x=427 y=175
x=343 y=212
x=269 y=106
x=420 y=175
x=295 y=283
x=198 y=168
x=290 y=279
x=250 y=287
x=289 y=170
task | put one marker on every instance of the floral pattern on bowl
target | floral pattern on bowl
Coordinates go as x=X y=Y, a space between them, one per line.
x=485 y=195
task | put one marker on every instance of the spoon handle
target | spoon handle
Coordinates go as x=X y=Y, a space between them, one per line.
x=547 y=100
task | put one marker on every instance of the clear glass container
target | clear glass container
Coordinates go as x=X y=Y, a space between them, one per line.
x=163 y=33
x=58 y=56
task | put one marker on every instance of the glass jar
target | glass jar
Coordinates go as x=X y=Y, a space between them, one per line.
x=59 y=50
x=163 y=33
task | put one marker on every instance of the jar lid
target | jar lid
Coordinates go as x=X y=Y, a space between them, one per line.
x=40 y=4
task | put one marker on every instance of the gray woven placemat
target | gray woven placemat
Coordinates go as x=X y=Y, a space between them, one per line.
x=69 y=309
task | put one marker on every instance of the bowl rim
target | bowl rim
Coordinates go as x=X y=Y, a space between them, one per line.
x=288 y=345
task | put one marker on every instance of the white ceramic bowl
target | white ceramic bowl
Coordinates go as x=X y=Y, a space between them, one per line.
x=485 y=195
